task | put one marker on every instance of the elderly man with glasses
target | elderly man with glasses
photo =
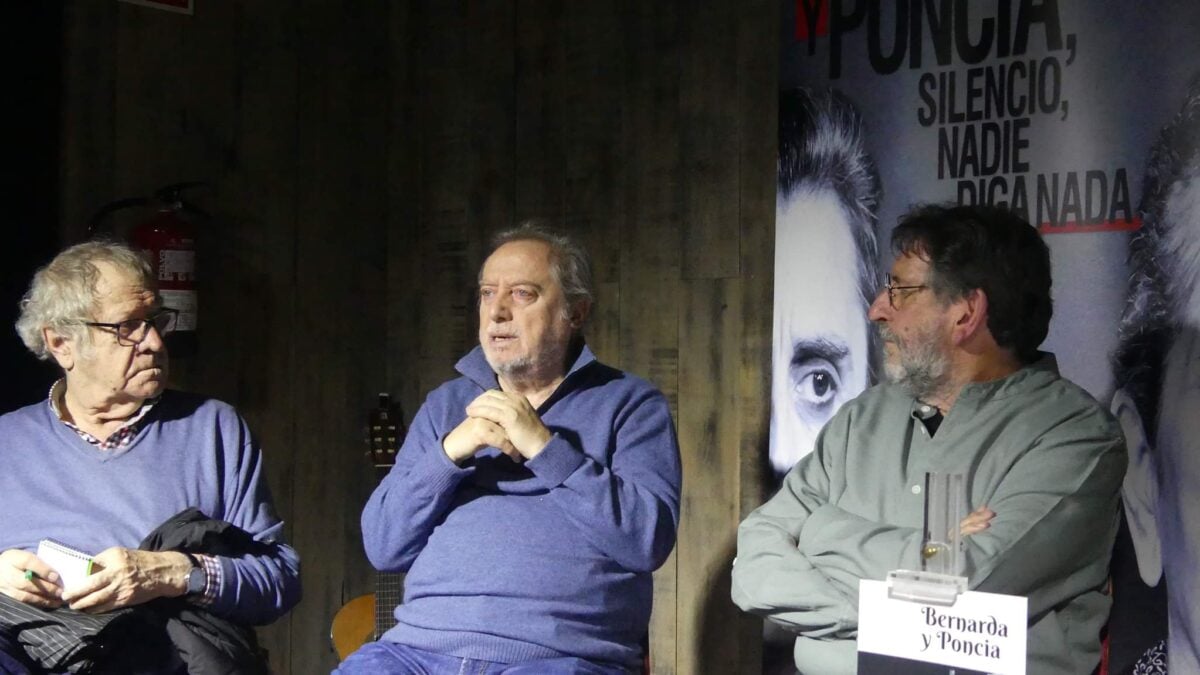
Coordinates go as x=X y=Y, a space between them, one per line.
x=962 y=315
x=112 y=457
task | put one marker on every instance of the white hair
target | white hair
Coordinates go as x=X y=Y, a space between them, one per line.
x=63 y=293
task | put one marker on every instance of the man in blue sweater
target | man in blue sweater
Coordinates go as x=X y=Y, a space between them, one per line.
x=533 y=496
x=112 y=455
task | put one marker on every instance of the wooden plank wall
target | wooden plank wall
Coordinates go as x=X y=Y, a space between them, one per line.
x=360 y=153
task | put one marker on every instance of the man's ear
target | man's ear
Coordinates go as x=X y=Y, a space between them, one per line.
x=970 y=315
x=1139 y=492
x=579 y=313
x=61 y=347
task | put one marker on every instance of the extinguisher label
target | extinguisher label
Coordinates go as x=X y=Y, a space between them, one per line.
x=185 y=302
x=176 y=265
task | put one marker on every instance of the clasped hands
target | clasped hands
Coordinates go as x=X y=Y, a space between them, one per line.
x=121 y=577
x=501 y=420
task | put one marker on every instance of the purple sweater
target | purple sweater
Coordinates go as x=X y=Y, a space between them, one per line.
x=513 y=562
x=190 y=451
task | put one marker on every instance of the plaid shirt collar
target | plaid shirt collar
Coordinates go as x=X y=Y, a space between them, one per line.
x=120 y=438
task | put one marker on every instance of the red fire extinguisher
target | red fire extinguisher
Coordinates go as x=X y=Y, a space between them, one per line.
x=168 y=241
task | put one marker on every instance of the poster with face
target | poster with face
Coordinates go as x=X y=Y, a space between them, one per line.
x=1081 y=116
x=1157 y=372
x=825 y=268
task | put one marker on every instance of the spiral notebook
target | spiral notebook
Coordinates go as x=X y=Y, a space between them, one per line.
x=71 y=564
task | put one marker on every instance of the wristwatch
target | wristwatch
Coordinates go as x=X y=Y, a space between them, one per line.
x=197 y=579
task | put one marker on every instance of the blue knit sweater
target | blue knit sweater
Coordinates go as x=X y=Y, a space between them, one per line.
x=190 y=451
x=513 y=562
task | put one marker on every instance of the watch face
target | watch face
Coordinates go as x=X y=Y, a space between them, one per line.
x=196 y=580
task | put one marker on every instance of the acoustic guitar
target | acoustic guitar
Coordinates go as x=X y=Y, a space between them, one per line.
x=365 y=618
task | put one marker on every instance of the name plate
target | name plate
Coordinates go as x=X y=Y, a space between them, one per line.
x=980 y=632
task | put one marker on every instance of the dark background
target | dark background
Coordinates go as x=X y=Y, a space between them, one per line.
x=358 y=155
x=32 y=49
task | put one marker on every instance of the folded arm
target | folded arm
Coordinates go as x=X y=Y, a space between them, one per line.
x=773 y=577
x=1054 y=513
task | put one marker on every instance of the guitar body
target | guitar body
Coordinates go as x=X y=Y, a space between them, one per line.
x=353 y=625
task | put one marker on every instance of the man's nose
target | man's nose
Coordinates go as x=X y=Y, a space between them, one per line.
x=152 y=341
x=881 y=308
x=500 y=308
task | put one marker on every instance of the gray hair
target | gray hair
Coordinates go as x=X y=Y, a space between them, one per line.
x=1149 y=323
x=64 y=291
x=570 y=264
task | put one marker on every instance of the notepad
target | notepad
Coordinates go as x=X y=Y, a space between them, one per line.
x=71 y=564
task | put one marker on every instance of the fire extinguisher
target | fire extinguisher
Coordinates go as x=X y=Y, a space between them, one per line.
x=167 y=239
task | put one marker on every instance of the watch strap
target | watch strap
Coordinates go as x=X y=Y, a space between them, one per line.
x=197 y=577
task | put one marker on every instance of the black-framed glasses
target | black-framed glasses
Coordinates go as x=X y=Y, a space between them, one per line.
x=892 y=288
x=131 y=332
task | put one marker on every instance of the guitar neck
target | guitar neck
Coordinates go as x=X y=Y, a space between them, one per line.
x=386 y=432
x=389 y=591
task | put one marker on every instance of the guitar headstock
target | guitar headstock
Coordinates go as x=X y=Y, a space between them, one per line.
x=385 y=432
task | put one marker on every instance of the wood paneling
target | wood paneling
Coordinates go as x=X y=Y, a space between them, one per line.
x=708 y=382
x=360 y=154
x=404 y=234
x=540 y=109
x=650 y=255
x=254 y=257
x=339 y=331
x=709 y=128
x=87 y=138
x=594 y=208
x=758 y=82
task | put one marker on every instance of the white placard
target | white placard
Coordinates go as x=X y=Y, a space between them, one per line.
x=981 y=631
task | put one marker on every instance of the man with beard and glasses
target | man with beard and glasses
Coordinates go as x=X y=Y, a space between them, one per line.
x=961 y=317
x=533 y=496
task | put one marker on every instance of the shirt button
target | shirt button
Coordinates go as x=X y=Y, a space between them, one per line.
x=916 y=489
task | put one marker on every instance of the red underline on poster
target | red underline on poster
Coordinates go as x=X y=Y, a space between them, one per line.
x=803 y=8
x=1077 y=228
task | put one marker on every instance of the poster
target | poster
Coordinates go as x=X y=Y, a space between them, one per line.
x=1074 y=113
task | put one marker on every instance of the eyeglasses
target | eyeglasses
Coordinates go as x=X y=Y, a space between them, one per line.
x=892 y=288
x=131 y=332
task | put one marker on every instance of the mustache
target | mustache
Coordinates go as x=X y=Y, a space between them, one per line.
x=885 y=333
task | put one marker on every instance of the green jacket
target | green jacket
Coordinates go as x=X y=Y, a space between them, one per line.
x=1037 y=450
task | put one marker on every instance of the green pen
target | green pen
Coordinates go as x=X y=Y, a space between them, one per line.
x=30 y=575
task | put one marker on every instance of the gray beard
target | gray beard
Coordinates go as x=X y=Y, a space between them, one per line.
x=527 y=368
x=922 y=371
x=513 y=369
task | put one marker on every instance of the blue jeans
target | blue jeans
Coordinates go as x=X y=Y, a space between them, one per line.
x=391 y=658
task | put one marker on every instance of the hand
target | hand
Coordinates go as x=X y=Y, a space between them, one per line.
x=977 y=521
x=516 y=416
x=42 y=590
x=474 y=434
x=127 y=577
